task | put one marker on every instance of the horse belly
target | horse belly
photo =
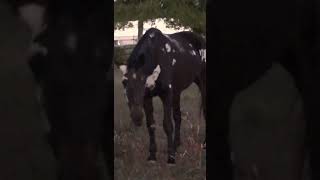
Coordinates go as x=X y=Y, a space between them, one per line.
x=184 y=73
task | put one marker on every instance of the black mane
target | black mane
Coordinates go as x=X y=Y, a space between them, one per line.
x=136 y=60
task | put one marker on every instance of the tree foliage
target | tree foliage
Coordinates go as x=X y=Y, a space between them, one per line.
x=176 y=13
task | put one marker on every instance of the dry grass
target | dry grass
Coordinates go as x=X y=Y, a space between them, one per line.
x=131 y=144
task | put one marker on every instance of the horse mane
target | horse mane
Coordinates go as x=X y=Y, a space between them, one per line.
x=196 y=40
x=134 y=61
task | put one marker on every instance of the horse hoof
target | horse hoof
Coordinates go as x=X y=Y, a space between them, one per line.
x=152 y=159
x=171 y=164
x=171 y=161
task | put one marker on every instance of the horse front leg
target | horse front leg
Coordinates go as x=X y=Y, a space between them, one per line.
x=177 y=119
x=168 y=125
x=148 y=109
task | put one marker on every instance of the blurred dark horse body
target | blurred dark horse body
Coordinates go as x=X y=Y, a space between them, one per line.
x=71 y=62
x=164 y=65
x=248 y=36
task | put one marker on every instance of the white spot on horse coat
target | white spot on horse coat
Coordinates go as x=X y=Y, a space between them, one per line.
x=202 y=53
x=71 y=41
x=124 y=78
x=151 y=35
x=168 y=47
x=134 y=76
x=123 y=69
x=173 y=61
x=162 y=49
x=190 y=44
x=193 y=53
x=173 y=50
x=170 y=86
x=151 y=80
x=153 y=126
x=175 y=42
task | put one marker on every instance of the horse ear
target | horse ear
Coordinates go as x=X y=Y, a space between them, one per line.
x=123 y=69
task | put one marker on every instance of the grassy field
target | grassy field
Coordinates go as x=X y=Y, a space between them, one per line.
x=131 y=143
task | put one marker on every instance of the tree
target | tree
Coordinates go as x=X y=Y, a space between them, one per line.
x=177 y=14
x=140 y=28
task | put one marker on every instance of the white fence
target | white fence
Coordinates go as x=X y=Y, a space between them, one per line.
x=125 y=40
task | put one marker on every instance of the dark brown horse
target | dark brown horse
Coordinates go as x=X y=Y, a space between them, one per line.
x=164 y=65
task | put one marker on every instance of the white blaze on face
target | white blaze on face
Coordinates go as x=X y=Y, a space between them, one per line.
x=190 y=44
x=33 y=15
x=134 y=76
x=173 y=61
x=203 y=54
x=170 y=86
x=151 y=80
x=123 y=69
x=168 y=47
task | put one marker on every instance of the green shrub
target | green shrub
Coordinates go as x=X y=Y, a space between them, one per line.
x=121 y=54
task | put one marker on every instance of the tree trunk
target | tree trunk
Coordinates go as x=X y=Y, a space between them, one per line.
x=140 y=28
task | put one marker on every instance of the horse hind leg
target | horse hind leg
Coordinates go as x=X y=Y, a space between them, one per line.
x=168 y=125
x=177 y=119
x=200 y=82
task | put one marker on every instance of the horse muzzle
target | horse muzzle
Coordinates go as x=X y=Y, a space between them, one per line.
x=136 y=115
